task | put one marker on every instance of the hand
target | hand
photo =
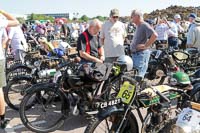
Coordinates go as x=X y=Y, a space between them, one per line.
x=164 y=19
x=98 y=60
x=141 y=47
x=102 y=58
x=1 y=11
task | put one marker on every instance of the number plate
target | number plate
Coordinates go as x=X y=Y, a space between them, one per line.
x=189 y=118
x=126 y=92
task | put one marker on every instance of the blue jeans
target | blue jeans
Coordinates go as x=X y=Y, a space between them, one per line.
x=140 y=61
x=173 y=42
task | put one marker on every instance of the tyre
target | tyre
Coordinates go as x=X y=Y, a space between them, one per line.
x=111 y=123
x=14 y=91
x=45 y=114
x=195 y=93
x=17 y=71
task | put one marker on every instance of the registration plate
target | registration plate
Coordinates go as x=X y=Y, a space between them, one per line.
x=126 y=92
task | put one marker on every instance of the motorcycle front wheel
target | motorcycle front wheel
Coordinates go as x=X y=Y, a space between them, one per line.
x=110 y=124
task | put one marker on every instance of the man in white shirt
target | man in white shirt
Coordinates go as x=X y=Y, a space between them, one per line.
x=18 y=43
x=75 y=29
x=173 y=32
x=112 y=36
x=161 y=29
x=11 y=21
x=193 y=37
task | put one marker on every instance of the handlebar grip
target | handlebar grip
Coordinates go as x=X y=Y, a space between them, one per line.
x=162 y=96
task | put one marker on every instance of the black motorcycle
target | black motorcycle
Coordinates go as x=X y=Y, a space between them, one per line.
x=73 y=92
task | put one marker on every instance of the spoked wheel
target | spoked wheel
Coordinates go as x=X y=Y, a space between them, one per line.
x=111 y=123
x=111 y=90
x=14 y=92
x=45 y=114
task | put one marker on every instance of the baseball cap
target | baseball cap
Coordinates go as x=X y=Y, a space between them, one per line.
x=114 y=12
x=192 y=15
x=177 y=16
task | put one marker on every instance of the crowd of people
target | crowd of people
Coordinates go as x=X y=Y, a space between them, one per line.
x=99 y=42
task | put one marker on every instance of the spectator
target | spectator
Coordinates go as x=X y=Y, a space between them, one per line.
x=191 y=17
x=63 y=29
x=130 y=32
x=88 y=46
x=174 y=31
x=143 y=38
x=74 y=29
x=11 y=21
x=18 y=43
x=193 y=38
x=82 y=27
x=40 y=28
x=161 y=29
x=112 y=36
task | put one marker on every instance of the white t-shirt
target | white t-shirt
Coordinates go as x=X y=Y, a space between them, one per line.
x=161 y=30
x=113 y=35
x=18 y=40
x=74 y=30
x=3 y=25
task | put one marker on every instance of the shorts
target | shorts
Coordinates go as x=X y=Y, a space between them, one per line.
x=2 y=74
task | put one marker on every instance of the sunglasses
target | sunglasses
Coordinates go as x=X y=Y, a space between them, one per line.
x=115 y=17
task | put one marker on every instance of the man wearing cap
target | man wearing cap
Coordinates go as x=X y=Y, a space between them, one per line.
x=112 y=36
x=191 y=18
x=173 y=32
x=10 y=21
x=193 y=37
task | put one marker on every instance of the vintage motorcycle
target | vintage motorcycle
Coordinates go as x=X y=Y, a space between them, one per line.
x=159 y=102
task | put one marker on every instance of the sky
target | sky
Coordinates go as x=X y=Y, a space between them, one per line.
x=90 y=8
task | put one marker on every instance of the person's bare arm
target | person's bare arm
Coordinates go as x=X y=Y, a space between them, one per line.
x=5 y=42
x=88 y=57
x=101 y=54
x=102 y=41
x=12 y=21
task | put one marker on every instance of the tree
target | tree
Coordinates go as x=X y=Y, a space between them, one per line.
x=40 y=17
x=84 y=18
x=101 y=18
x=21 y=20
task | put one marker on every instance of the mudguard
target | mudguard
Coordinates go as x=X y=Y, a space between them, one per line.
x=108 y=111
x=19 y=66
x=114 y=109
